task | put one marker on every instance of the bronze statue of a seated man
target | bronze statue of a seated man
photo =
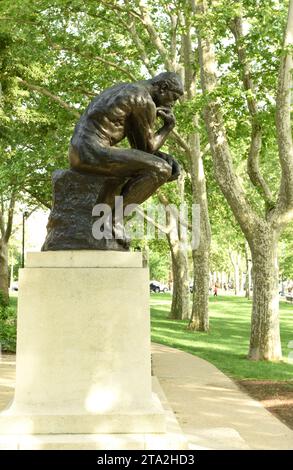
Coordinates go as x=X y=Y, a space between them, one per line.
x=129 y=110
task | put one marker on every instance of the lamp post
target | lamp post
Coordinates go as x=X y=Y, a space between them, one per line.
x=24 y=216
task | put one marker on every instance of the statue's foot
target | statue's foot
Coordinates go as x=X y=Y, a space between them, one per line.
x=125 y=243
x=120 y=236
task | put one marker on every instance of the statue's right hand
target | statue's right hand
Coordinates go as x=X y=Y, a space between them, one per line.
x=167 y=116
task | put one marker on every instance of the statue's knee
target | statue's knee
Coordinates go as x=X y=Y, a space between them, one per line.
x=165 y=172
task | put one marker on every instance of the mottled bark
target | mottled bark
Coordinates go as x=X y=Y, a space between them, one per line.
x=261 y=232
x=253 y=167
x=11 y=280
x=180 y=298
x=4 y=274
x=6 y=208
x=200 y=254
x=248 y=283
x=236 y=260
x=284 y=212
x=199 y=320
x=236 y=279
x=265 y=341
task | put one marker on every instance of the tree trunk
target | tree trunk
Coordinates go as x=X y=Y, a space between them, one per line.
x=236 y=278
x=179 y=256
x=248 y=281
x=200 y=254
x=265 y=343
x=180 y=299
x=201 y=247
x=223 y=279
x=235 y=260
x=265 y=335
x=248 y=271
x=241 y=284
x=200 y=319
x=4 y=276
x=11 y=273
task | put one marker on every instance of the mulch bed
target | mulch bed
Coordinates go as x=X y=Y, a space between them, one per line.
x=276 y=397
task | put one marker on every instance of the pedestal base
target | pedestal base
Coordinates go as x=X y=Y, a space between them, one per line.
x=83 y=347
x=172 y=439
x=13 y=422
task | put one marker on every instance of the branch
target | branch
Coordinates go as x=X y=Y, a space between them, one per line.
x=53 y=97
x=285 y=217
x=145 y=19
x=222 y=158
x=256 y=129
x=17 y=20
x=10 y=218
x=164 y=200
x=182 y=142
x=2 y=225
x=38 y=198
x=237 y=31
x=174 y=21
x=120 y=8
x=187 y=56
x=284 y=131
x=131 y=28
x=205 y=151
x=162 y=228
x=173 y=223
x=195 y=155
x=153 y=35
x=97 y=58
x=90 y=94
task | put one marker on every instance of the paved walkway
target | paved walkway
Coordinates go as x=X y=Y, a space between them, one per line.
x=211 y=410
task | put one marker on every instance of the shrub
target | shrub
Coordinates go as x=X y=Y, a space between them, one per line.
x=3 y=300
x=8 y=328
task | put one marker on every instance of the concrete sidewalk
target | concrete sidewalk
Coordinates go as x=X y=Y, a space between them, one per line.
x=212 y=411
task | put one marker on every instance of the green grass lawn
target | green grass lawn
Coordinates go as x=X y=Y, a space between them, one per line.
x=226 y=344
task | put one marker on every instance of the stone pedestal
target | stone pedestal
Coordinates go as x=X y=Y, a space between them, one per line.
x=83 y=347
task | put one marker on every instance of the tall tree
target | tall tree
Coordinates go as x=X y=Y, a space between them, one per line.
x=6 y=221
x=262 y=230
x=171 y=38
x=11 y=161
x=76 y=42
x=179 y=256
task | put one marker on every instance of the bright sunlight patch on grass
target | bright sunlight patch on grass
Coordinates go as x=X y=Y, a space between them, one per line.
x=226 y=345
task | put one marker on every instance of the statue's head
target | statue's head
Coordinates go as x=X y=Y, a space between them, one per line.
x=166 y=89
